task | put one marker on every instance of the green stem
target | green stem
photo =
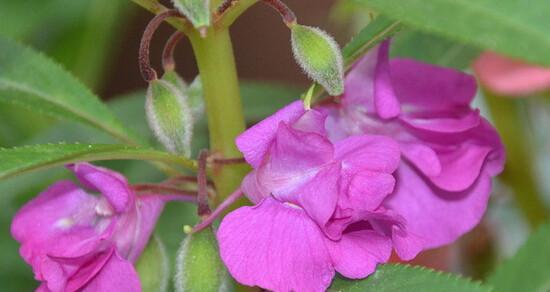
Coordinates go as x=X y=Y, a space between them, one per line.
x=218 y=73
x=519 y=172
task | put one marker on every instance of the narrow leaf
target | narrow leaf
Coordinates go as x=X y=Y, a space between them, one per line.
x=395 y=278
x=197 y=11
x=529 y=269
x=16 y=161
x=516 y=28
x=30 y=79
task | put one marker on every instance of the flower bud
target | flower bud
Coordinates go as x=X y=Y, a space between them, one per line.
x=196 y=98
x=169 y=116
x=197 y=11
x=153 y=267
x=198 y=265
x=172 y=77
x=319 y=56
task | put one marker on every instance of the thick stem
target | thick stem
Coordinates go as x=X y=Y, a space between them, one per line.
x=519 y=173
x=218 y=73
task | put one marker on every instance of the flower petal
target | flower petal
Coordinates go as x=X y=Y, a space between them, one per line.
x=253 y=191
x=436 y=216
x=423 y=157
x=368 y=152
x=368 y=189
x=255 y=142
x=357 y=253
x=116 y=275
x=275 y=246
x=294 y=159
x=431 y=87
x=112 y=185
x=386 y=103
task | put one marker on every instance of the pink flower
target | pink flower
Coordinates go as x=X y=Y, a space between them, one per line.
x=318 y=205
x=510 y=77
x=75 y=240
x=449 y=152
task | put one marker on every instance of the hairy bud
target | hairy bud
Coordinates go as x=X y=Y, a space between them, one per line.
x=153 y=266
x=169 y=116
x=319 y=56
x=197 y=11
x=198 y=265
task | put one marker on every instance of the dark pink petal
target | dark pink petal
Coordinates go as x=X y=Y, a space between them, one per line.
x=275 y=246
x=455 y=122
x=116 y=275
x=368 y=189
x=423 y=157
x=112 y=185
x=436 y=216
x=252 y=189
x=88 y=270
x=368 y=152
x=359 y=85
x=431 y=87
x=294 y=159
x=319 y=196
x=255 y=142
x=386 y=103
x=357 y=253
x=460 y=167
x=510 y=77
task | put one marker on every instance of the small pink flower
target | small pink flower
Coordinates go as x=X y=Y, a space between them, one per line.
x=77 y=241
x=318 y=205
x=510 y=77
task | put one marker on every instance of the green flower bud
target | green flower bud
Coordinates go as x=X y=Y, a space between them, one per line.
x=319 y=56
x=172 y=77
x=169 y=116
x=153 y=266
x=197 y=11
x=198 y=265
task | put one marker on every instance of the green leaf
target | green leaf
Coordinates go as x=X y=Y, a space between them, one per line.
x=433 y=49
x=15 y=161
x=30 y=79
x=516 y=28
x=153 y=267
x=397 y=278
x=378 y=30
x=199 y=266
x=529 y=269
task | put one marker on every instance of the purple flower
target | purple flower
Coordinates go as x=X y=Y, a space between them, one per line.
x=75 y=240
x=318 y=205
x=449 y=152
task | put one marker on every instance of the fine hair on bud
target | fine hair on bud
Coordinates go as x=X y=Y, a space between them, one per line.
x=169 y=116
x=199 y=267
x=319 y=56
x=196 y=11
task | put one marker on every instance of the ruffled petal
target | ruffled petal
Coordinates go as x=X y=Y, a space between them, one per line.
x=255 y=142
x=275 y=246
x=431 y=87
x=367 y=190
x=357 y=253
x=294 y=158
x=385 y=101
x=449 y=122
x=436 y=216
x=423 y=157
x=368 y=152
x=112 y=185
x=116 y=275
